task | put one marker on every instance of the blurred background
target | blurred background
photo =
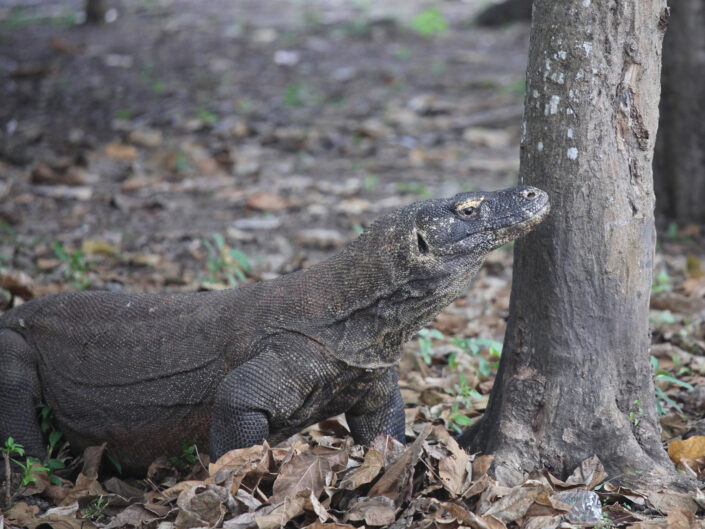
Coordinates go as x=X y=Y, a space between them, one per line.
x=172 y=144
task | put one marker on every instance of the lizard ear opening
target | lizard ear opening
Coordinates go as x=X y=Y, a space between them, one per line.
x=423 y=245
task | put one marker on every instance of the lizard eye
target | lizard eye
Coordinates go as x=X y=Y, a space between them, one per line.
x=467 y=212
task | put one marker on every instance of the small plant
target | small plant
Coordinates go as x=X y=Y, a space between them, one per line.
x=95 y=510
x=663 y=400
x=10 y=447
x=207 y=117
x=633 y=415
x=429 y=23
x=77 y=267
x=415 y=188
x=30 y=467
x=371 y=181
x=225 y=264
x=662 y=282
x=46 y=417
x=186 y=458
x=425 y=348
x=463 y=394
x=296 y=95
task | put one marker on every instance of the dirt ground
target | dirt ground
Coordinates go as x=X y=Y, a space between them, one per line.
x=196 y=145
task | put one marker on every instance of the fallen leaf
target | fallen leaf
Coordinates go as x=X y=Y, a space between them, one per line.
x=18 y=283
x=121 y=151
x=452 y=469
x=304 y=471
x=373 y=510
x=680 y=519
x=201 y=506
x=396 y=478
x=134 y=515
x=290 y=508
x=389 y=447
x=691 y=448
x=265 y=201
x=365 y=473
x=590 y=473
x=97 y=247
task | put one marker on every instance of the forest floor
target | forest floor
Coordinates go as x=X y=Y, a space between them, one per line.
x=190 y=145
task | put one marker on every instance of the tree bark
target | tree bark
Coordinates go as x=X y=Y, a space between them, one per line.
x=575 y=379
x=679 y=165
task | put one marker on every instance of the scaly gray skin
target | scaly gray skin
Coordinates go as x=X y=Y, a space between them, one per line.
x=146 y=372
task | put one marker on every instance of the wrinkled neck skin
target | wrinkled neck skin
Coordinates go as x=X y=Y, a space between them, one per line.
x=377 y=293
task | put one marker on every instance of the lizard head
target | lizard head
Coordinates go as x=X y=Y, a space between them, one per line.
x=470 y=225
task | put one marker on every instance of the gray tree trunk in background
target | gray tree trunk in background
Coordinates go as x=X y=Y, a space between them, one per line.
x=679 y=165
x=95 y=11
x=575 y=379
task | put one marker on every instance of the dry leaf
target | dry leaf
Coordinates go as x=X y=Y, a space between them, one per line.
x=304 y=471
x=201 y=506
x=264 y=201
x=121 y=151
x=691 y=448
x=365 y=473
x=97 y=247
x=282 y=513
x=680 y=519
x=374 y=510
x=396 y=479
x=389 y=447
x=453 y=469
x=134 y=515
x=515 y=504
x=590 y=473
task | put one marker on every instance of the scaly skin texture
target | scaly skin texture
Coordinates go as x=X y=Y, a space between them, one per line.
x=147 y=372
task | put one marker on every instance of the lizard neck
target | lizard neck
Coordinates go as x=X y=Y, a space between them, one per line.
x=373 y=299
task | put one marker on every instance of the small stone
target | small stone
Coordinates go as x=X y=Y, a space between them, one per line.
x=286 y=57
x=257 y=223
x=146 y=137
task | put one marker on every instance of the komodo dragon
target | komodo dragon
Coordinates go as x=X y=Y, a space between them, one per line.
x=146 y=372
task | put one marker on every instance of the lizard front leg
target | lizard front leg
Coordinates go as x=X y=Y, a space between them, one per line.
x=380 y=411
x=250 y=399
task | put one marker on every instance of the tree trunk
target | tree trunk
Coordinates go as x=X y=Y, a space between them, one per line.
x=95 y=11
x=575 y=378
x=679 y=165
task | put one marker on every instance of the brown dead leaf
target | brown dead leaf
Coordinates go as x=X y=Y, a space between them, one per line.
x=265 y=201
x=680 y=519
x=173 y=492
x=121 y=151
x=694 y=287
x=98 y=247
x=373 y=510
x=481 y=464
x=244 y=463
x=17 y=283
x=514 y=505
x=319 y=525
x=389 y=447
x=665 y=501
x=452 y=469
x=467 y=518
x=304 y=471
x=365 y=473
x=590 y=473
x=292 y=507
x=134 y=515
x=22 y=515
x=395 y=481
x=691 y=448
x=201 y=506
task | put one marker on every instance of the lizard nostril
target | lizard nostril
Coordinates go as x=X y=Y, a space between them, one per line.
x=529 y=194
x=423 y=245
